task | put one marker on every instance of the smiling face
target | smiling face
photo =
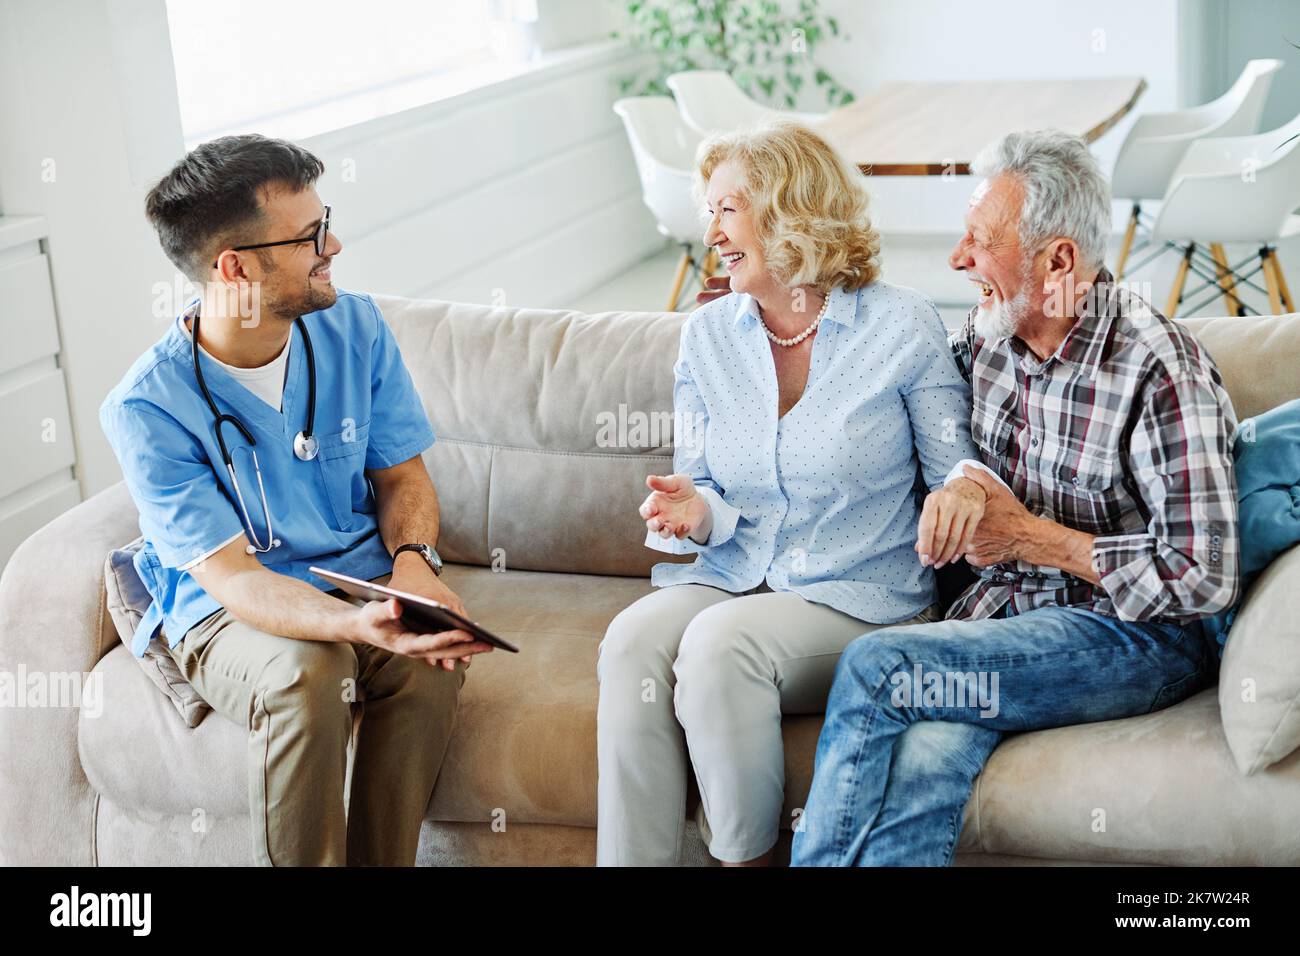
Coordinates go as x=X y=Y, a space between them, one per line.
x=294 y=280
x=731 y=230
x=991 y=255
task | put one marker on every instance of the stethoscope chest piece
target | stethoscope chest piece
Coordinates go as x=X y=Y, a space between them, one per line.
x=305 y=447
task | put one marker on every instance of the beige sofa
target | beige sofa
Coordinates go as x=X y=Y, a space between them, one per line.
x=547 y=425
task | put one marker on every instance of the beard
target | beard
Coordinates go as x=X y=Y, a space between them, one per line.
x=317 y=299
x=1001 y=319
x=291 y=299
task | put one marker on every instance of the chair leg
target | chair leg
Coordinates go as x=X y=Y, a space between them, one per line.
x=1270 y=280
x=679 y=280
x=1124 y=249
x=709 y=267
x=1287 y=302
x=1180 y=280
x=1226 y=282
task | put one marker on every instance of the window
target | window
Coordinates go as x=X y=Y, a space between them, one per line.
x=297 y=69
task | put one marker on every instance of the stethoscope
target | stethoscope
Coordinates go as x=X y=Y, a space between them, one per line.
x=305 y=445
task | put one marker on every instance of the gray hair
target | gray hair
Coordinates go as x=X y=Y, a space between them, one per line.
x=1066 y=193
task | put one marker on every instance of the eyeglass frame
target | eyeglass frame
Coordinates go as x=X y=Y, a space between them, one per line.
x=317 y=238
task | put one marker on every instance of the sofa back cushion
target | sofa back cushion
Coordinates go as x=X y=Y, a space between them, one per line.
x=548 y=423
x=1259 y=357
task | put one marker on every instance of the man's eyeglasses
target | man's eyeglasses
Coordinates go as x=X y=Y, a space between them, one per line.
x=317 y=238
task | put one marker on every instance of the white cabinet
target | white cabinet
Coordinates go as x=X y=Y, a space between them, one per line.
x=38 y=456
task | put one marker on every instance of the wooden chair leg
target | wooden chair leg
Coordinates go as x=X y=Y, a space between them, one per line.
x=1287 y=302
x=1270 y=280
x=1124 y=249
x=1180 y=280
x=709 y=267
x=679 y=281
x=1226 y=282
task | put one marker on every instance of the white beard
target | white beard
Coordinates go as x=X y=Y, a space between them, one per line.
x=1001 y=319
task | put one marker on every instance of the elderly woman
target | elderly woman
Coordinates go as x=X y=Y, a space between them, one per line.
x=812 y=404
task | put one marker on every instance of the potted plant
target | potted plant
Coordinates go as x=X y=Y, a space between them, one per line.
x=767 y=46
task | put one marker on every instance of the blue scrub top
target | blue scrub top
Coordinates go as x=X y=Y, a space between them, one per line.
x=368 y=416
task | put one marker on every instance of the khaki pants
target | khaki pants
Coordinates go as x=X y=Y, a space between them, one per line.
x=695 y=671
x=295 y=699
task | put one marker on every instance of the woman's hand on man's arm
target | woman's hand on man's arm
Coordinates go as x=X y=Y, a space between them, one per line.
x=948 y=521
x=674 y=509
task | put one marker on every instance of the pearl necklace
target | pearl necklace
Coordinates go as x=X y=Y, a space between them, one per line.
x=805 y=333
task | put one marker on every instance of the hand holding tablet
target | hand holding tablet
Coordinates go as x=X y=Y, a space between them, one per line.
x=418 y=613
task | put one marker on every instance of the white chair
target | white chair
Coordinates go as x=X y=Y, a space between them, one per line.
x=711 y=102
x=1157 y=141
x=1234 y=189
x=664 y=149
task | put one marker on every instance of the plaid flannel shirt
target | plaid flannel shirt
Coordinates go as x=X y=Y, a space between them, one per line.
x=1125 y=432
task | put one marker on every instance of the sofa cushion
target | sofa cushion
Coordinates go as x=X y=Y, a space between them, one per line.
x=127 y=600
x=1256 y=355
x=529 y=399
x=141 y=757
x=1267 y=453
x=1259 y=680
x=1158 y=788
x=525 y=738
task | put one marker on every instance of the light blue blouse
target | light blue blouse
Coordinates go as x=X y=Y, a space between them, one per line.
x=824 y=501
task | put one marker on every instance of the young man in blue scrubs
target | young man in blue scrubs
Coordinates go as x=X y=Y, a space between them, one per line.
x=296 y=442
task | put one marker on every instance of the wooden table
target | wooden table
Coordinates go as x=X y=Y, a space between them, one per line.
x=928 y=129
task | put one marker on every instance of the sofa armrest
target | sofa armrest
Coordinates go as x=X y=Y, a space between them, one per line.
x=54 y=628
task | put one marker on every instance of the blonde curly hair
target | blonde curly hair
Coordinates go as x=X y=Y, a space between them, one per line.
x=809 y=205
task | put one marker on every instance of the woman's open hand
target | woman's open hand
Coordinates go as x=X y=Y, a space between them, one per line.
x=673 y=509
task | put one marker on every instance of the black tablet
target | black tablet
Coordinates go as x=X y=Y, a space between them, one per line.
x=420 y=614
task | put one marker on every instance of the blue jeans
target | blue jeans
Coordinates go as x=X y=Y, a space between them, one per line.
x=915 y=711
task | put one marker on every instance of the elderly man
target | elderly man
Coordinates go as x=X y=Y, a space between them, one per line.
x=1109 y=529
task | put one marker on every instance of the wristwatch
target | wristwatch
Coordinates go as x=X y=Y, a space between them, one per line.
x=431 y=557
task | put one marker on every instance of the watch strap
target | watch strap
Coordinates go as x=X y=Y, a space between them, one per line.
x=431 y=556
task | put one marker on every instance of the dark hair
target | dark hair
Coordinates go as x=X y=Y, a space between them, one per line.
x=212 y=194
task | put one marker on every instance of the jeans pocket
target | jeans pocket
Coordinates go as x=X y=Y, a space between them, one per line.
x=1177 y=690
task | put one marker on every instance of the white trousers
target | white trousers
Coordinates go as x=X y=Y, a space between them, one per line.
x=691 y=669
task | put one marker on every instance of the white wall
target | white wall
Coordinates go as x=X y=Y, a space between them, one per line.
x=521 y=194
x=1261 y=28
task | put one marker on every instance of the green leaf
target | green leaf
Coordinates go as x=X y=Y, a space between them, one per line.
x=750 y=39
